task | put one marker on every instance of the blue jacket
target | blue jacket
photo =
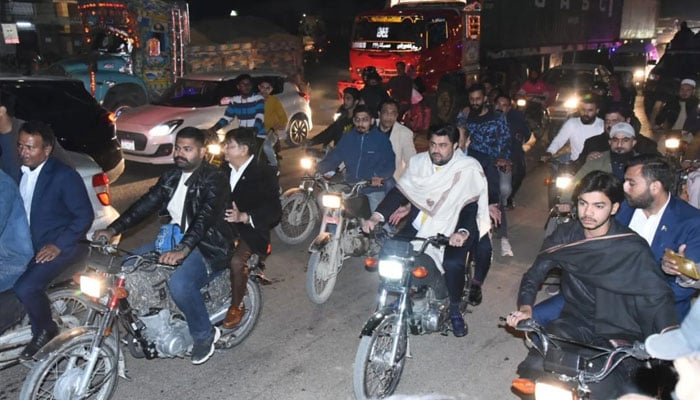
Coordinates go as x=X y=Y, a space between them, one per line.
x=15 y=241
x=365 y=156
x=61 y=212
x=680 y=224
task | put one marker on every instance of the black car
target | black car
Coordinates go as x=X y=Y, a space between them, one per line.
x=79 y=122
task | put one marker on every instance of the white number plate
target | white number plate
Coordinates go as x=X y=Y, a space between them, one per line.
x=128 y=144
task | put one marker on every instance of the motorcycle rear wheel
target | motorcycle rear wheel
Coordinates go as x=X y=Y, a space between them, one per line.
x=321 y=274
x=373 y=377
x=299 y=216
x=253 y=301
x=57 y=375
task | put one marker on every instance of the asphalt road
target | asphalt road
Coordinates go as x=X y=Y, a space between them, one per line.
x=300 y=350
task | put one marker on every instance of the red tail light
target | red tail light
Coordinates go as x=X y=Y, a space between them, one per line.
x=100 y=183
x=112 y=117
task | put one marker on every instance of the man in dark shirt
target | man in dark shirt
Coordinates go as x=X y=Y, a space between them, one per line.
x=520 y=134
x=401 y=88
x=611 y=284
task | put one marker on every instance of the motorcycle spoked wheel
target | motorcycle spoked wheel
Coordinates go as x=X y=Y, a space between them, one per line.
x=373 y=377
x=56 y=376
x=253 y=301
x=299 y=216
x=321 y=274
x=68 y=309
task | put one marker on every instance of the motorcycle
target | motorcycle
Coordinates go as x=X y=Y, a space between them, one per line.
x=301 y=205
x=340 y=237
x=536 y=114
x=134 y=307
x=412 y=297
x=561 y=181
x=571 y=367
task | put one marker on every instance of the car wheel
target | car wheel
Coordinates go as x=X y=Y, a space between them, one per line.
x=298 y=129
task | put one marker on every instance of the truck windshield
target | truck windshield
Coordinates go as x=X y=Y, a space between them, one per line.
x=191 y=93
x=387 y=33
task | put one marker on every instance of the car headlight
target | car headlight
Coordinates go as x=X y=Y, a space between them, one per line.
x=391 y=269
x=92 y=285
x=571 y=102
x=521 y=102
x=306 y=163
x=639 y=73
x=331 y=200
x=672 y=143
x=548 y=391
x=166 y=128
x=564 y=181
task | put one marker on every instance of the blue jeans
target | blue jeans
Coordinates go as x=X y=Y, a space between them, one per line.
x=185 y=284
x=548 y=310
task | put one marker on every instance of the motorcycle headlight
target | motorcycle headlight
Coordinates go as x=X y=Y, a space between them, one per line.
x=306 y=163
x=92 y=285
x=166 y=128
x=564 y=181
x=672 y=143
x=521 y=102
x=571 y=102
x=331 y=200
x=214 y=149
x=639 y=73
x=391 y=269
x=549 y=391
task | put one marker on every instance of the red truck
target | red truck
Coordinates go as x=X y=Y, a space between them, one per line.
x=450 y=43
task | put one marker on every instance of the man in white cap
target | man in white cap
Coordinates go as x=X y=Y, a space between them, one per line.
x=674 y=112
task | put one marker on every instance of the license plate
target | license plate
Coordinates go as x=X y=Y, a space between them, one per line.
x=128 y=144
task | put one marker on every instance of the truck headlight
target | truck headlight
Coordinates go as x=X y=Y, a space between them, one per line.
x=672 y=143
x=331 y=200
x=166 y=128
x=564 y=181
x=306 y=163
x=92 y=285
x=571 y=102
x=391 y=269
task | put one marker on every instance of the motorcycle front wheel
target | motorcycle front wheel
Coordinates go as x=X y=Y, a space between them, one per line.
x=299 y=216
x=253 y=305
x=375 y=377
x=68 y=309
x=57 y=375
x=321 y=274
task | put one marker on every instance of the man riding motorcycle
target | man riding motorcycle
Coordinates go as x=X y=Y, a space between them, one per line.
x=194 y=194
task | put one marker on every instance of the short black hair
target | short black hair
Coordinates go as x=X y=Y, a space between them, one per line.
x=655 y=168
x=362 y=108
x=190 y=132
x=502 y=95
x=244 y=137
x=388 y=101
x=475 y=87
x=590 y=98
x=599 y=181
x=352 y=92
x=449 y=130
x=40 y=128
x=619 y=108
x=242 y=77
x=9 y=101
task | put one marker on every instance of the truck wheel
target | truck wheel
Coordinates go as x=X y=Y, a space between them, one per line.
x=122 y=98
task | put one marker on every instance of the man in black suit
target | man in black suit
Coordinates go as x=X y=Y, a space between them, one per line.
x=255 y=209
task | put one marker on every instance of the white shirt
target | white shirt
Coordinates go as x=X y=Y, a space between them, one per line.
x=682 y=116
x=177 y=202
x=576 y=133
x=237 y=174
x=26 y=187
x=646 y=227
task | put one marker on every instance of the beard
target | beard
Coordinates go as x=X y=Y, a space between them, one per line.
x=437 y=159
x=477 y=108
x=586 y=120
x=644 y=201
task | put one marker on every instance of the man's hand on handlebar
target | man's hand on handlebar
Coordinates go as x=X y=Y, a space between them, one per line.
x=546 y=157
x=377 y=181
x=369 y=224
x=524 y=313
x=458 y=239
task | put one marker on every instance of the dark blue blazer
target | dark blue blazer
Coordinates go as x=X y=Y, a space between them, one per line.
x=680 y=224
x=61 y=211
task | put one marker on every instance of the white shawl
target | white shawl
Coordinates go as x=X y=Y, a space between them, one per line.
x=442 y=194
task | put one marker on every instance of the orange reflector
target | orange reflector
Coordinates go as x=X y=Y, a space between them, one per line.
x=100 y=183
x=121 y=293
x=524 y=386
x=112 y=117
x=548 y=181
x=420 y=272
x=371 y=263
x=268 y=251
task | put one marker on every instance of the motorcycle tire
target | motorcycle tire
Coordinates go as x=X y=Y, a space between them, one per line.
x=49 y=376
x=253 y=301
x=372 y=377
x=321 y=274
x=68 y=309
x=299 y=217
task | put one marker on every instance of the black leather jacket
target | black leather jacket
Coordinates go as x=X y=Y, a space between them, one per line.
x=205 y=203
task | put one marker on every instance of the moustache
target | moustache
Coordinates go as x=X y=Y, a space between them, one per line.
x=180 y=159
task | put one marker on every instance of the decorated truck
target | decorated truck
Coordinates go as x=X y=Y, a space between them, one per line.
x=448 y=44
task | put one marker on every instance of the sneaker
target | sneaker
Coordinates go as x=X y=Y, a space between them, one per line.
x=459 y=327
x=202 y=351
x=506 y=250
x=475 y=295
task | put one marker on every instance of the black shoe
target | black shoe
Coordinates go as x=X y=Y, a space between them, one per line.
x=36 y=344
x=475 y=295
x=202 y=351
x=459 y=327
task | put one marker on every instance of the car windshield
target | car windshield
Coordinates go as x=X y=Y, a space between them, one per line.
x=570 y=78
x=192 y=93
x=379 y=32
x=628 y=59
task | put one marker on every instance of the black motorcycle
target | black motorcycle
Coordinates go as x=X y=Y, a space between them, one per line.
x=412 y=298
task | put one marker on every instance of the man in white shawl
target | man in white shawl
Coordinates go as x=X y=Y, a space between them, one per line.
x=441 y=191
